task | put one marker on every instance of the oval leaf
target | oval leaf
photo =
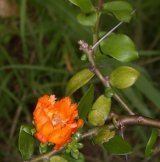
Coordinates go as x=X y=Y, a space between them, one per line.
x=120 y=9
x=85 y=104
x=57 y=159
x=118 y=146
x=25 y=143
x=100 y=111
x=78 y=80
x=103 y=135
x=123 y=77
x=151 y=142
x=87 y=19
x=120 y=47
x=85 y=5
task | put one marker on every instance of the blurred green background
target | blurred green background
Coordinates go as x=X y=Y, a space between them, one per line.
x=39 y=53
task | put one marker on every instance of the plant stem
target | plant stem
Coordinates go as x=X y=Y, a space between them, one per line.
x=89 y=52
x=121 y=122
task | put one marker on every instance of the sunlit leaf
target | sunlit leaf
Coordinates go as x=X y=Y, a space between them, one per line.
x=123 y=77
x=100 y=111
x=151 y=142
x=85 y=5
x=85 y=104
x=117 y=145
x=120 y=9
x=25 y=143
x=43 y=148
x=78 y=80
x=120 y=47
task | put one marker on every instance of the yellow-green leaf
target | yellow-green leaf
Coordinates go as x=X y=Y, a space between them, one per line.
x=103 y=135
x=78 y=80
x=57 y=158
x=100 y=111
x=124 y=77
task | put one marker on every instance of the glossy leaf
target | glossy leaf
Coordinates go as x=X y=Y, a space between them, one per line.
x=78 y=80
x=118 y=146
x=103 y=135
x=120 y=9
x=123 y=77
x=100 y=111
x=87 y=19
x=25 y=143
x=151 y=142
x=57 y=158
x=85 y=104
x=120 y=47
x=85 y=5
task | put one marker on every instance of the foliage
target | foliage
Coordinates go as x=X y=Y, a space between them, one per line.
x=39 y=54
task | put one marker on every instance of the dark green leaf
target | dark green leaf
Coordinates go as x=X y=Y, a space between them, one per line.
x=120 y=47
x=120 y=9
x=123 y=77
x=85 y=5
x=25 y=143
x=118 y=146
x=151 y=142
x=85 y=104
x=87 y=19
x=27 y=128
x=78 y=80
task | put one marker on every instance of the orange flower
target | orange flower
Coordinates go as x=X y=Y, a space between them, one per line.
x=56 y=121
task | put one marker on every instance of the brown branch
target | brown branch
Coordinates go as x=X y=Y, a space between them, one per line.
x=123 y=121
x=89 y=53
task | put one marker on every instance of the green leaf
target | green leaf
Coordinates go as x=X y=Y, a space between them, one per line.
x=120 y=47
x=151 y=142
x=57 y=158
x=123 y=77
x=118 y=146
x=100 y=111
x=120 y=9
x=78 y=80
x=43 y=148
x=85 y=104
x=85 y=5
x=25 y=143
x=27 y=128
x=70 y=159
x=103 y=135
x=87 y=19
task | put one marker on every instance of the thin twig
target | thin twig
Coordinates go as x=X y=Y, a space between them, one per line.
x=122 y=121
x=89 y=52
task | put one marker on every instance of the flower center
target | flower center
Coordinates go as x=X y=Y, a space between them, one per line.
x=57 y=120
